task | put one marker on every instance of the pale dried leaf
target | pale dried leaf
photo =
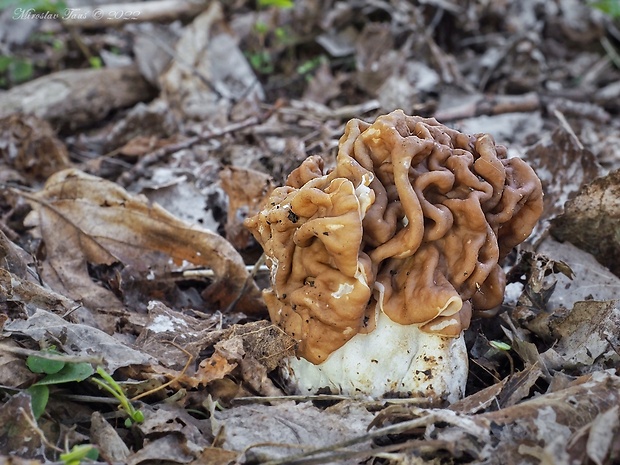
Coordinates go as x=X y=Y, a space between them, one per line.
x=283 y=427
x=93 y=220
x=104 y=436
x=210 y=71
x=602 y=432
x=78 y=339
x=588 y=335
x=590 y=221
x=563 y=167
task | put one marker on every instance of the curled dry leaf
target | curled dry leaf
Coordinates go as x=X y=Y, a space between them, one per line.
x=167 y=330
x=255 y=348
x=85 y=219
x=110 y=445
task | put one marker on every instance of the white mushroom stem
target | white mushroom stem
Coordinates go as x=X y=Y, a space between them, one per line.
x=393 y=358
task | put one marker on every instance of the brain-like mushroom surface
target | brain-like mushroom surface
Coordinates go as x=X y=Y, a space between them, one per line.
x=406 y=231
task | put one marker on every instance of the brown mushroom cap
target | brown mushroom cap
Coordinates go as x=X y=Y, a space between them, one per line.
x=414 y=218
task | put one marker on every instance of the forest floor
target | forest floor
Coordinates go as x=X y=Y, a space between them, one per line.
x=136 y=138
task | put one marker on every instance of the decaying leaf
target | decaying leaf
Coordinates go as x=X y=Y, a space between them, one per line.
x=256 y=348
x=268 y=432
x=246 y=190
x=18 y=433
x=211 y=72
x=167 y=331
x=591 y=221
x=29 y=145
x=78 y=339
x=85 y=219
x=13 y=370
x=104 y=436
x=542 y=428
x=588 y=335
x=563 y=167
x=591 y=280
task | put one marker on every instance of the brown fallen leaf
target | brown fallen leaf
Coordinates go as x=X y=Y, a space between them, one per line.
x=256 y=348
x=16 y=423
x=85 y=220
x=111 y=446
x=590 y=221
x=246 y=190
x=30 y=146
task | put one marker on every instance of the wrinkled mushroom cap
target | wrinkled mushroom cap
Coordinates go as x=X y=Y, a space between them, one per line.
x=412 y=221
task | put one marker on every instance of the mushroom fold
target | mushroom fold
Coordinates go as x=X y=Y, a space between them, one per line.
x=407 y=231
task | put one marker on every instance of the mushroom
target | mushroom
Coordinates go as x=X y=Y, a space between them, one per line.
x=378 y=264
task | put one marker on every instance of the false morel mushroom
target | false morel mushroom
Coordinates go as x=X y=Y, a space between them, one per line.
x=378 y=264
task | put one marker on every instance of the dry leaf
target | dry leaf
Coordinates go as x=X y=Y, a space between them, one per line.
x=563 y=167
x=277 y=431
x=590 y=221
x=246 y=190
x=588 y=335
x=85 y=219
x=104 y=436
x=256 y=348
x=218 y=75
x=18 y=434
x=168 y=330
x=78 y=339
x=29 y=145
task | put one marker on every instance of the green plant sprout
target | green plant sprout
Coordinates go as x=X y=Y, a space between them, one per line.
x=277 y=3
x=502 y=348
x=56 y=372
x=78 y=453
x=610 y=7
x=109 y=384
x=499 y=345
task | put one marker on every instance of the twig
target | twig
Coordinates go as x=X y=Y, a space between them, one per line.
x=567 y=127
x=33 y=424
x=139 y=169
x=492 y=105
x=168 y=383
x=427 y=417
x=49 y=356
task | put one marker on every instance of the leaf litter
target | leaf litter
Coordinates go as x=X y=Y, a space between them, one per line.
x=121 y=242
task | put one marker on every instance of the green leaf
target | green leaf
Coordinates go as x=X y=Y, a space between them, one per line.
x=71 y=372
x=95 y=62
x=21 y=70
x=38 y=364
x=276 y=3
x=39 y=395
x=79 y=453
x=610 y=7
x=5 y=63
x=499 y=345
